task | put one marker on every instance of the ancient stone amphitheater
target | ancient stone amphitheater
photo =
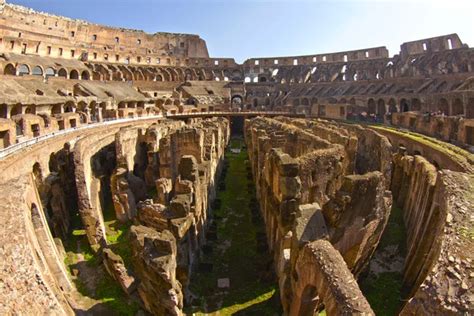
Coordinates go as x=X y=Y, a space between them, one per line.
x=141 y=176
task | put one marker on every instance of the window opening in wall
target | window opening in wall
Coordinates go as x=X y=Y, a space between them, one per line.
x=94 y=37
x=158 y=60
x=216 y=62
x=95 y=55
x=315 y=59
x=127 y=60
x=19 y=34
x=344 y=68
x=295 y=62
x=117 y=40
x=56 y=23
x=345 y=57
x=324 y=58
x=274 y=72
x=148 y=60
x=366 y=54
x=275 y=62
x=73 y=33
x=181 y=44
x=139 y=59
x=23 y=50
x=139 y=41
x=450 y=44
x=314 y=70
x=255 y=79
x=117 y=57
x=12 y=44
x=60 y=52
x=425 y=47
x=247 y=79
x=256 y=63
x=106 y=57
x=49 y=50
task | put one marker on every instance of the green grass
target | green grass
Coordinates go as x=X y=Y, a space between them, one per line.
x=384 y=292
x=107 y=290
x=248 y=294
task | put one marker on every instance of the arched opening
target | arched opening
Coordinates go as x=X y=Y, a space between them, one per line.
x=16 y=110
x=85 y=75
x=404 y=106
x=470 y=108
x=49 y=72
x=23 y=70
x=381 y=107
x=56 y=109
x=74 y=75
x=415 y=104
x=3 y=111
x=443 y=106
x=247 y=79
x=69 y=107
x=237 y=101
x=262 y=79
x=9 y=70
x=62 y=73
x=37 y=71
x=371 y=106
x=30 y=109
x=458 y=107
x=392 y=106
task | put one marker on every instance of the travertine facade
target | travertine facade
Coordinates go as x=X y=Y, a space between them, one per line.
x=101 y=124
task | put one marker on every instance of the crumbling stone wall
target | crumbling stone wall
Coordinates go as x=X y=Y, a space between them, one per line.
x=180 y=210
x=292 y=181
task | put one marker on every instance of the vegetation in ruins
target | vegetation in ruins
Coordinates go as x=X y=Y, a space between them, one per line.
x=89 y=275
x=239 y=253
x=382 y=286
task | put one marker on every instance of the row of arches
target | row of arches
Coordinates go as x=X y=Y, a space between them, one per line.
x=26 y=70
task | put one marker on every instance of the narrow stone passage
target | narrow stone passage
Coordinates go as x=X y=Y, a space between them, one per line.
x=236 y=250
x=383 y=284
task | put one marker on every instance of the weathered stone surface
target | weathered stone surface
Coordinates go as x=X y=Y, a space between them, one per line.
x=116 y=268
x=154 y=258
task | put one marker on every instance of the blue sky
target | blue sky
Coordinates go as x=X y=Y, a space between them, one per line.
x=262 y=28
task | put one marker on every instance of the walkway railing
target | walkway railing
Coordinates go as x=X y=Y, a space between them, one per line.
x=18 y=146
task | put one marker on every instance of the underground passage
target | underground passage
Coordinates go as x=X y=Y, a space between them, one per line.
x=141 y=176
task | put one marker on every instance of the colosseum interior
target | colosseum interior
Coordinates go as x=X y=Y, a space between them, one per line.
x=140 y=176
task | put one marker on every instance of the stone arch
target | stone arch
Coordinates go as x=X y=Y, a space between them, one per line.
x=85 y=75
x=415 y=104
x=56 y=109
x=457 y=107
x=16 y=110
x=74 y=74
x=9 y=70
x=392 y=105
x=23 y=70
x=470 y=108
x=37 y=71
x=69 y=107
x=62 y=73
x=381 y=109
x=404 y=106
x=3 y=111
x=443 y=106
x=371 y=106
x=49 y=72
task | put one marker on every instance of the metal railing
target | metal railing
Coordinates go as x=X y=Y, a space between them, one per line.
x=110 y=121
